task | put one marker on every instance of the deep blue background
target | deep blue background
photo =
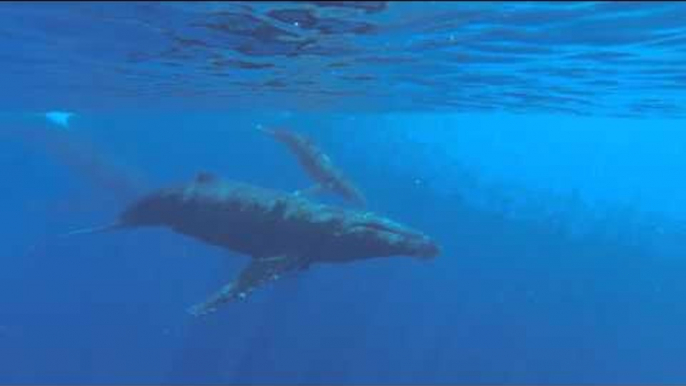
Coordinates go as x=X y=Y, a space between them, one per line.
x=562 y=255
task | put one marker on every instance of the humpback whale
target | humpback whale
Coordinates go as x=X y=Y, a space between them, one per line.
x=280 y=232
x=318 y=166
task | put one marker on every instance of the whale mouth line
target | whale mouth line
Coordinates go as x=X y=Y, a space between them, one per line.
x=388 y=229
x=431 y=251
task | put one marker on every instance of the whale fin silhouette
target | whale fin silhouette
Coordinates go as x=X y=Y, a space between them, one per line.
x=93 y=230
x=258 y=273
x=82 y=231
x=317 y=165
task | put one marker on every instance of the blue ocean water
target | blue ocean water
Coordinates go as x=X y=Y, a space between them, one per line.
x=541 y=144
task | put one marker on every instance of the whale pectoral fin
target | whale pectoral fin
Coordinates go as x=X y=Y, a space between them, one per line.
x=259 y=272
x=224 y=295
